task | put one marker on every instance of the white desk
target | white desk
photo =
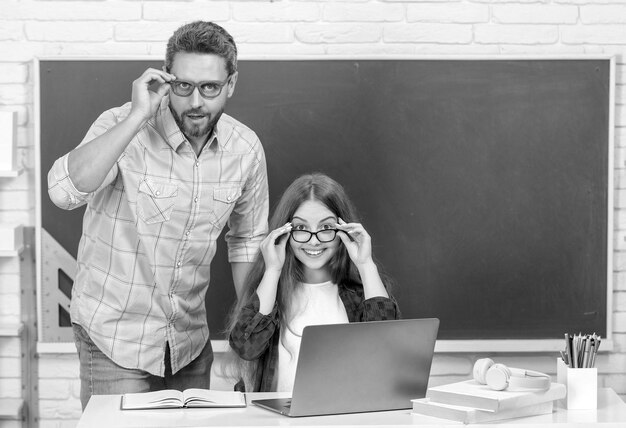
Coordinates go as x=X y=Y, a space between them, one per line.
x=104 y=411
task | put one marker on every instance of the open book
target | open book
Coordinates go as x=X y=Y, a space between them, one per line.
x=193 y=397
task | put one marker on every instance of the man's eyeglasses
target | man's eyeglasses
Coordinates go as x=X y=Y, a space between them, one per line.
x=207 y=89
x=325 y=235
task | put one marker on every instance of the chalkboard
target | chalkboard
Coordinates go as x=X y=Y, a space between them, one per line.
x=483 y=182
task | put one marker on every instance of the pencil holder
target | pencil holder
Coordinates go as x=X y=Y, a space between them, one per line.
x=581 y=384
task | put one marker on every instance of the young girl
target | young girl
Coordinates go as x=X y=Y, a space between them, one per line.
x=315 y=267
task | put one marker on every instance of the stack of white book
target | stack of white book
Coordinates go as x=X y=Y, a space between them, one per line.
x=471 y=402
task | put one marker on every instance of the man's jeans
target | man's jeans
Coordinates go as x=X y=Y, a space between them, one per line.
x=100 y=375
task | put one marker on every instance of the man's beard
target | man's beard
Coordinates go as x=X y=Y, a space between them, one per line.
x=191 y=130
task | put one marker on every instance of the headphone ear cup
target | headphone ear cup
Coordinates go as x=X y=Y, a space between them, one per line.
x=481 y=367
x=498 y=376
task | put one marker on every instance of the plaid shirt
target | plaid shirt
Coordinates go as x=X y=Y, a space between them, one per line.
x=149 y=235
x=255 y=335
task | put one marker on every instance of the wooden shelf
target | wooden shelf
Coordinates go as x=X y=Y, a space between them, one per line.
x=11 y=174
x=12 y=253
x=11 y=409
x=11 y=330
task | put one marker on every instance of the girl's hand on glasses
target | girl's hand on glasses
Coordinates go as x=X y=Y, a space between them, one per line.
x=357 y=241
x=273 y=247
x=145 y=101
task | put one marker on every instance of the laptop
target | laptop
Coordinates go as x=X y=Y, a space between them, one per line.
x=360 y=367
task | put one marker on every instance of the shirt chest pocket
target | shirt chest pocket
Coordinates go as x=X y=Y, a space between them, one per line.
x=155 y=201
x=223 y=202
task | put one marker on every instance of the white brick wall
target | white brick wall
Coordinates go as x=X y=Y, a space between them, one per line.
x=30 y=28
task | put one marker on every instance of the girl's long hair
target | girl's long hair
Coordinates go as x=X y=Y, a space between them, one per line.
x=318 y=187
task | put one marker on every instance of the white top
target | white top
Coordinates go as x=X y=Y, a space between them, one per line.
x=313 y=304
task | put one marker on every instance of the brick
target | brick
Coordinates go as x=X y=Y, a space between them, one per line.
x=10 y=284
x=75 y=388
x=619 y=261
x=53 y=366
x=11 y=31
x=603 y=14
x=10 y=306
x=10 y=347
x=338 y=33
x=427 y=33
x=261 y=33
x=17 y=200
x=25 y=217
x=620 y=74
x=55 y=389
x=516 y=34
x=450 y=12
x=619 y=178
x=619 y=197
x=620 y=111
x=9 y=265
x=619 y=281
x=60 y=409
x=19 y=51
x=145 y=31
x=71 y=11
x=110 y=48
x=190 y=11
x=368 y=12
x=10 y=319
x=369 y=49
x=620 y=137
x=619 y=342
x=558 y=50
x=276 y=12
x=14 y=94
x=11 y=367
x=619 y=299
x=21 y=110
x=601 y=34
x=508 y=1
x=68 y=31
x=619 y=155
x=10 y=388
x=279 y=49
x=534 y=14
x=619 y=322
x=13 y=73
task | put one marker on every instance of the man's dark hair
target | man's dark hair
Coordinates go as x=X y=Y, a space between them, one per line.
x=205 y=38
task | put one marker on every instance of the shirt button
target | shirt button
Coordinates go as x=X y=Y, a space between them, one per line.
x=197 y=163
x=157 y=193
x=188 y=232
x=228 y=198
x=195 y=199
x=178 y=264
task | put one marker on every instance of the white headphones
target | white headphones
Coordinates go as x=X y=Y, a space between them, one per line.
x=499 y=376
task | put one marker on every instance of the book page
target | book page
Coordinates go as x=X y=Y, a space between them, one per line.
x=156 y=399
x=196 y=397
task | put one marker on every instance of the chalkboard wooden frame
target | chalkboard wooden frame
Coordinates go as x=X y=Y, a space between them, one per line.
x=463 y=345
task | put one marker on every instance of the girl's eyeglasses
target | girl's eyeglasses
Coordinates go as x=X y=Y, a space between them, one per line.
x=325 y=235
